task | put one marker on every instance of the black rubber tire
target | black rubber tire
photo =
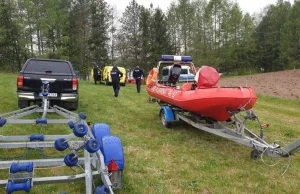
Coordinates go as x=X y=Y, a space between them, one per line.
x=255 y=154
x=163 y=119
x=23 y=103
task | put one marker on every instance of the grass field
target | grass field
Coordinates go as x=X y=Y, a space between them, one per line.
x=159 y=160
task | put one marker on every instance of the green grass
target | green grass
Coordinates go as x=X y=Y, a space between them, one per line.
x=182 y=159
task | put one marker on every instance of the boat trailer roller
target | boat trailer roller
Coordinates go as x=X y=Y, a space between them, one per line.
x=234 y=130
x=103 y=154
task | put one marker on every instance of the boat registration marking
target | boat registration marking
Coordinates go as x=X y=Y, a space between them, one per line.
x=159 y=90
x=172 y=93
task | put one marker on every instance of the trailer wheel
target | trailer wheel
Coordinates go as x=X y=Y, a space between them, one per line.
x=164 y=121
x=255 y=154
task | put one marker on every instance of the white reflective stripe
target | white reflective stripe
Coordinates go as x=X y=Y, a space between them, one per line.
x=177 y=58
x=48 y=79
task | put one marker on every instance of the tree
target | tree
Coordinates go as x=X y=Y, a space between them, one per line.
x=145 y=36
x=98 y=41
x=160 y=40
x=79 y=36
x=10 y=49
x=185 y=14
x=290 y=39
x=129 y=32
x=172 y=26
x=113 y=22
x=268 y=36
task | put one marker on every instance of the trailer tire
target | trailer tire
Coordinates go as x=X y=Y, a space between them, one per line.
x=164 y=121
x=255 y=154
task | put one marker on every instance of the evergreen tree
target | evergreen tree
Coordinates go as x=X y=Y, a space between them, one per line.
x=172 y=26
x=290 y=39
x=99 y=32
x=79 y=36
x=160 y=40
x=130 y=33
x=268 y=36
x=10 y=49
x=145 y=36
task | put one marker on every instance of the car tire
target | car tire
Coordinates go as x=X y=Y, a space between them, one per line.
x=23 y=103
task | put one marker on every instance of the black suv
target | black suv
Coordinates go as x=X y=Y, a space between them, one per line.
x=60 y=75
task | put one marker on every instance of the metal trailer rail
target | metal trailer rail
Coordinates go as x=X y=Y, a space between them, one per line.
x=90 y=138
x=238 y=133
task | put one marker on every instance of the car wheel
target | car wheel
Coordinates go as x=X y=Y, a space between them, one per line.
x=23 y=103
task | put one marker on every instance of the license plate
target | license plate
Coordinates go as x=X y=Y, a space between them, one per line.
x=50 y=94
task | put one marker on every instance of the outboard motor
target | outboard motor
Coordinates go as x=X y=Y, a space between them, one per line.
x=174 y=74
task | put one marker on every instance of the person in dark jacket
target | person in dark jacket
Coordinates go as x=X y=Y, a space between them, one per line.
x=116 y=74
x=137 y=74
x=96 y=72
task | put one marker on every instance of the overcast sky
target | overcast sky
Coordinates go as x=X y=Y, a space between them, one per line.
x=250 y=6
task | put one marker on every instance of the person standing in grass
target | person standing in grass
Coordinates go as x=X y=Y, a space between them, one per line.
x=116 y=74
x=96 y=72
x=137 y=74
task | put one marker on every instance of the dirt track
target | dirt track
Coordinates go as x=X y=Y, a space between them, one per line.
x=283 y=84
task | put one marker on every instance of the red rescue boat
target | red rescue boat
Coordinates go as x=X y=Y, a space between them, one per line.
x=202 y=97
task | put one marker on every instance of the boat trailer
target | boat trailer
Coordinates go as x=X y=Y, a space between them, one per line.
x=237 y=132
x=103 y=153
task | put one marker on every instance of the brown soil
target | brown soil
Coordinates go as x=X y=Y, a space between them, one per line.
x=282 y=84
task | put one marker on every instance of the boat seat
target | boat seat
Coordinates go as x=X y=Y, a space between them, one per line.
x=207 y=77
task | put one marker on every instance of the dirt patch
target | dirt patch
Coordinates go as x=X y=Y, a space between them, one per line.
x=282 y=84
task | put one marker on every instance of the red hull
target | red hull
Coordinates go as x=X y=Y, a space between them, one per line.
x=209 y=102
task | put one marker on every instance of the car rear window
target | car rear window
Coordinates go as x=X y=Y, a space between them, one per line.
x=165 y=71
x=184 y=71
x=48 y=67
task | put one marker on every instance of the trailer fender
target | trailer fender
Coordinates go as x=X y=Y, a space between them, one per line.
x=168 y=112
x=99 y=131
x=112 y=149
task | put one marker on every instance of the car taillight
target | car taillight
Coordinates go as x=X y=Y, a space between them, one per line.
x=20 y=82
x=74 y=84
